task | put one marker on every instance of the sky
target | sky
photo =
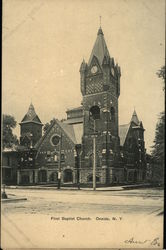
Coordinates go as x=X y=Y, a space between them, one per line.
x=45 y=41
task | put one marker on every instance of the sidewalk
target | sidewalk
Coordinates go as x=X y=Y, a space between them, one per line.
x=113 y=188
x=13 y=198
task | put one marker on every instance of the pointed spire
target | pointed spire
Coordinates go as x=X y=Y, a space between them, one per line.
x=100 y=32
x=100 y=48
x=31 y=111
x=134 y=118
x=83 y=66
x=31 y=115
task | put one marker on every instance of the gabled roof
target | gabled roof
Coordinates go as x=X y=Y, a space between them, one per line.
x=100 y=48
x=73 y=131
x=123 y=130
x=68 y=129
x=44 y=136
x=134 y=124
x=78 y=131
x=31 y=116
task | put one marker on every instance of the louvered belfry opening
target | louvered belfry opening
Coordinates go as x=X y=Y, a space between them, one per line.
x=95 y=112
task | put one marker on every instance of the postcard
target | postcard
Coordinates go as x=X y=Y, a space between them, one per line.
x=83 y=124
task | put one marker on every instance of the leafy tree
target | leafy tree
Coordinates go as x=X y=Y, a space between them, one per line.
x=158 y=147
x=9 y=139
x=161 y=74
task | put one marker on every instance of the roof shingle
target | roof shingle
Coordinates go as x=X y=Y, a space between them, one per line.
x=31 y=116
x=100 y=48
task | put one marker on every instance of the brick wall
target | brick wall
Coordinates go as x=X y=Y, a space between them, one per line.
x=47 y=151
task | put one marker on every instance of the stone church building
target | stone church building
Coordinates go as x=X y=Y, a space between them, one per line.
x=90 y=135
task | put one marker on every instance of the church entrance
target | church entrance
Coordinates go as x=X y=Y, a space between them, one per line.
x=25 y=179
x=53 y=177
x=42 y=176
x=68 y=176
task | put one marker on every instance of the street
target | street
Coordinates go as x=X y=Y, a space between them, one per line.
x=54 y=217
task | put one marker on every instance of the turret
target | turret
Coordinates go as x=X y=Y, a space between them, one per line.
x=30 y=128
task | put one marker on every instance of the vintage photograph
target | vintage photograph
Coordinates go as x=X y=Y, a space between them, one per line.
x=82 y=124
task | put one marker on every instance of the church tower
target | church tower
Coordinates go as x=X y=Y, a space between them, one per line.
x=100 y=88
x=30 y=128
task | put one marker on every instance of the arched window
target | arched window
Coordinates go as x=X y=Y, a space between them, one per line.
x=94 y=112
x=42 y=176
x=53 y=177
x=68 y=175
x=112 y=114
x=98 y=160
x=55 y=157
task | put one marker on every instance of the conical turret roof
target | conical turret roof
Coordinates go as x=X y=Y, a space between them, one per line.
x=134 y=118
x=100 y=48
x=31 y=116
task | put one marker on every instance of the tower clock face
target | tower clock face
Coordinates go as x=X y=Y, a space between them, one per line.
x=94 y=69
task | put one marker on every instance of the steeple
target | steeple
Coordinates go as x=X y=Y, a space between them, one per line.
x=31 y=115
x=134 y=118
x=100 y=48
x=30 y=128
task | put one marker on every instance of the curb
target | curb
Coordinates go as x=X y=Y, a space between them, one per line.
x=13 y=200
x=114 y=188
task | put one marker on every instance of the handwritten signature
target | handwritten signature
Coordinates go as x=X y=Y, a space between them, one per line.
x=154 y=242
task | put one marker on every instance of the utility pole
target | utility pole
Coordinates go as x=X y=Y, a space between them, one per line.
x=59 y=170
x=79 y=168
x=95 y=111
x=107 y=152
x=94 y=158
x=140 y=160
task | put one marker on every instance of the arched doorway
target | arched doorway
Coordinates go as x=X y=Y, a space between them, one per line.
x=68 y=175
x=25 y=179
x=53 y=177
x=42 y=176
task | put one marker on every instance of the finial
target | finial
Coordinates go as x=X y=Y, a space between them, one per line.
x=100 y=21
x=31 y=104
